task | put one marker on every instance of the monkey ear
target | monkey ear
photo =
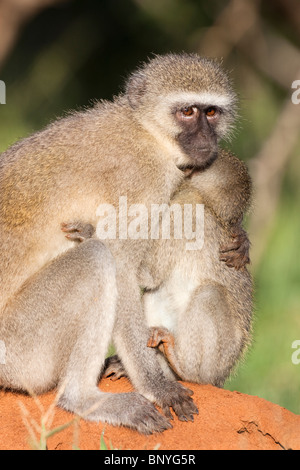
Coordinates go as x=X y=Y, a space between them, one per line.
x=136 y=89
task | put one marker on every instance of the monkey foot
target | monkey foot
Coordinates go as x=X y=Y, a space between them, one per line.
x=162 y=339
x=113 y=368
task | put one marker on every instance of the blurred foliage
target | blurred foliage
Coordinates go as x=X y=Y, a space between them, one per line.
x=71 y=52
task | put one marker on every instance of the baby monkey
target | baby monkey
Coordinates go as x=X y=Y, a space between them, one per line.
x=198 y=304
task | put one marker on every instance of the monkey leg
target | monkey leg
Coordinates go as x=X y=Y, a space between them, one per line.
x=57 y=331
x=209 y=338
x=130 y=338
x=162 y=339
x=131 y=309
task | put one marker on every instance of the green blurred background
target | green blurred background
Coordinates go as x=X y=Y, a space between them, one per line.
x=61 y=54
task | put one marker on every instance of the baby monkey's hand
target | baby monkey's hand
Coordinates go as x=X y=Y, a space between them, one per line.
x=236 y=253
x=78 y=231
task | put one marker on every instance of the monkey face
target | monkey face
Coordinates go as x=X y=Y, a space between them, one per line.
x=199 y=135
x=187 y=103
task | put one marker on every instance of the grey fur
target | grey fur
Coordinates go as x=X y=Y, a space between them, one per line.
x=204 y=304
x=60 y=306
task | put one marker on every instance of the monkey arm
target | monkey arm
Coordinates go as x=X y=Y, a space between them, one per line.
x=225 y=188
x=130 y=338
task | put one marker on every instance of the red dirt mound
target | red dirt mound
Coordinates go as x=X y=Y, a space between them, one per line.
x=226 y=420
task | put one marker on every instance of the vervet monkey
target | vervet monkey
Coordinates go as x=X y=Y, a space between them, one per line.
x=200 y=312
x=60 y=306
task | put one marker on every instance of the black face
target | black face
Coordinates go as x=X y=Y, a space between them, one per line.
x=198 y=138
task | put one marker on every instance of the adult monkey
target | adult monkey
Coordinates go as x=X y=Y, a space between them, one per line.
x=59 y=306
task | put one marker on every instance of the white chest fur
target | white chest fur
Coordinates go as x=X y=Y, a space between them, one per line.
x=163 y=305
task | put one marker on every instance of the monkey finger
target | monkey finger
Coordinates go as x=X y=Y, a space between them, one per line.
x=235 y=245
x=226 y=257
x=75 y=237
x=65 y=227
x=236 y=259
x=230 y=263
x=78 y=231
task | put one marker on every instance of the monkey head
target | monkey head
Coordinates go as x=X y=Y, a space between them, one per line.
x=185 y=101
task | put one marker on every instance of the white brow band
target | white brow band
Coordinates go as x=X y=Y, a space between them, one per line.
x=206 y=98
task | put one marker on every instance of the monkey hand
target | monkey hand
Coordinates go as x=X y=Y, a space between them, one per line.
x=236 y=253
x=78 y=231
x=113 y=368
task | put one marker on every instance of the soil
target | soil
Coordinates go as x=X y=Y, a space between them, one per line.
x=226 y=420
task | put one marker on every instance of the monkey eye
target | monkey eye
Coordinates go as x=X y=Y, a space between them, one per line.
x=211 y=111
x=188 y=112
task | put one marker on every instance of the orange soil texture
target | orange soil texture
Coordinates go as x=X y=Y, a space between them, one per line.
x=226 y=420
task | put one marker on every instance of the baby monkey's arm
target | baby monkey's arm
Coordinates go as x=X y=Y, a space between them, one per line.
x=235 y=254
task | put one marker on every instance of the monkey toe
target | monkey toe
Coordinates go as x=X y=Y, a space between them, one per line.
x=113 y=369
x=178 y=398
x=159 y=335
x=146 y=419
x=185 y=410
x=113 y=374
